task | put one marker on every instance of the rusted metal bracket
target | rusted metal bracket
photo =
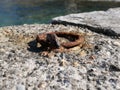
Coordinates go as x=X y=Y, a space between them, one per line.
x=51 y=39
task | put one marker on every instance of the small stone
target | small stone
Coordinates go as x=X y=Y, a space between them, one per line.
x=83 y=53
x=42 y=85
x=38 y=45
x=87 y=46
x=63 y=62
x=20 y=87
x=2 y=50
x=108 y=54
x=75 y=64
x=44 y=53
x=14 y=88
x=31 y=88
x=83 y=69
x=92 y=57
x=75 y=48
x=51 y=55
x=116 y=43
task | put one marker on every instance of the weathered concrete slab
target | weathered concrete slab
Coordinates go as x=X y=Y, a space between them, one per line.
x=107 y=22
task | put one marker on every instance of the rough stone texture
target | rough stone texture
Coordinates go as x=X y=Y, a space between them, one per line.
x=107 y=22
x=22 y=66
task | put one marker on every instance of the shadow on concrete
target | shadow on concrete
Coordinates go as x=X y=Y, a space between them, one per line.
x=32 y=47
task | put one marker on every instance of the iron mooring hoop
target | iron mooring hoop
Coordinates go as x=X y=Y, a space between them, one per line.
x=51 y=39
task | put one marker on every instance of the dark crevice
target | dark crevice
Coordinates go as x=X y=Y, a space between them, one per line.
x=104 y=31
x=114 y=68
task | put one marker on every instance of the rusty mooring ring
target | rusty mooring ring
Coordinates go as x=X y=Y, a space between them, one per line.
x=78 y=39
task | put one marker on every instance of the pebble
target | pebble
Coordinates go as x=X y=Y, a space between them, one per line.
x=83 y=53
x=42 y=85
x=117 y=43
x=75 y=64
x=2 y=50
x=20 y=87
x=92 y=57
x=63 y=62
x=83 y=70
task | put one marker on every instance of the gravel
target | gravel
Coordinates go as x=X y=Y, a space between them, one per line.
x=23 y=68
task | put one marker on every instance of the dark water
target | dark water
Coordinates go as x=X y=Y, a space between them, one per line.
x=17 y=12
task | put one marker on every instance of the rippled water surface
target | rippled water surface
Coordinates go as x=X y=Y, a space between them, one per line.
x=17 y=12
